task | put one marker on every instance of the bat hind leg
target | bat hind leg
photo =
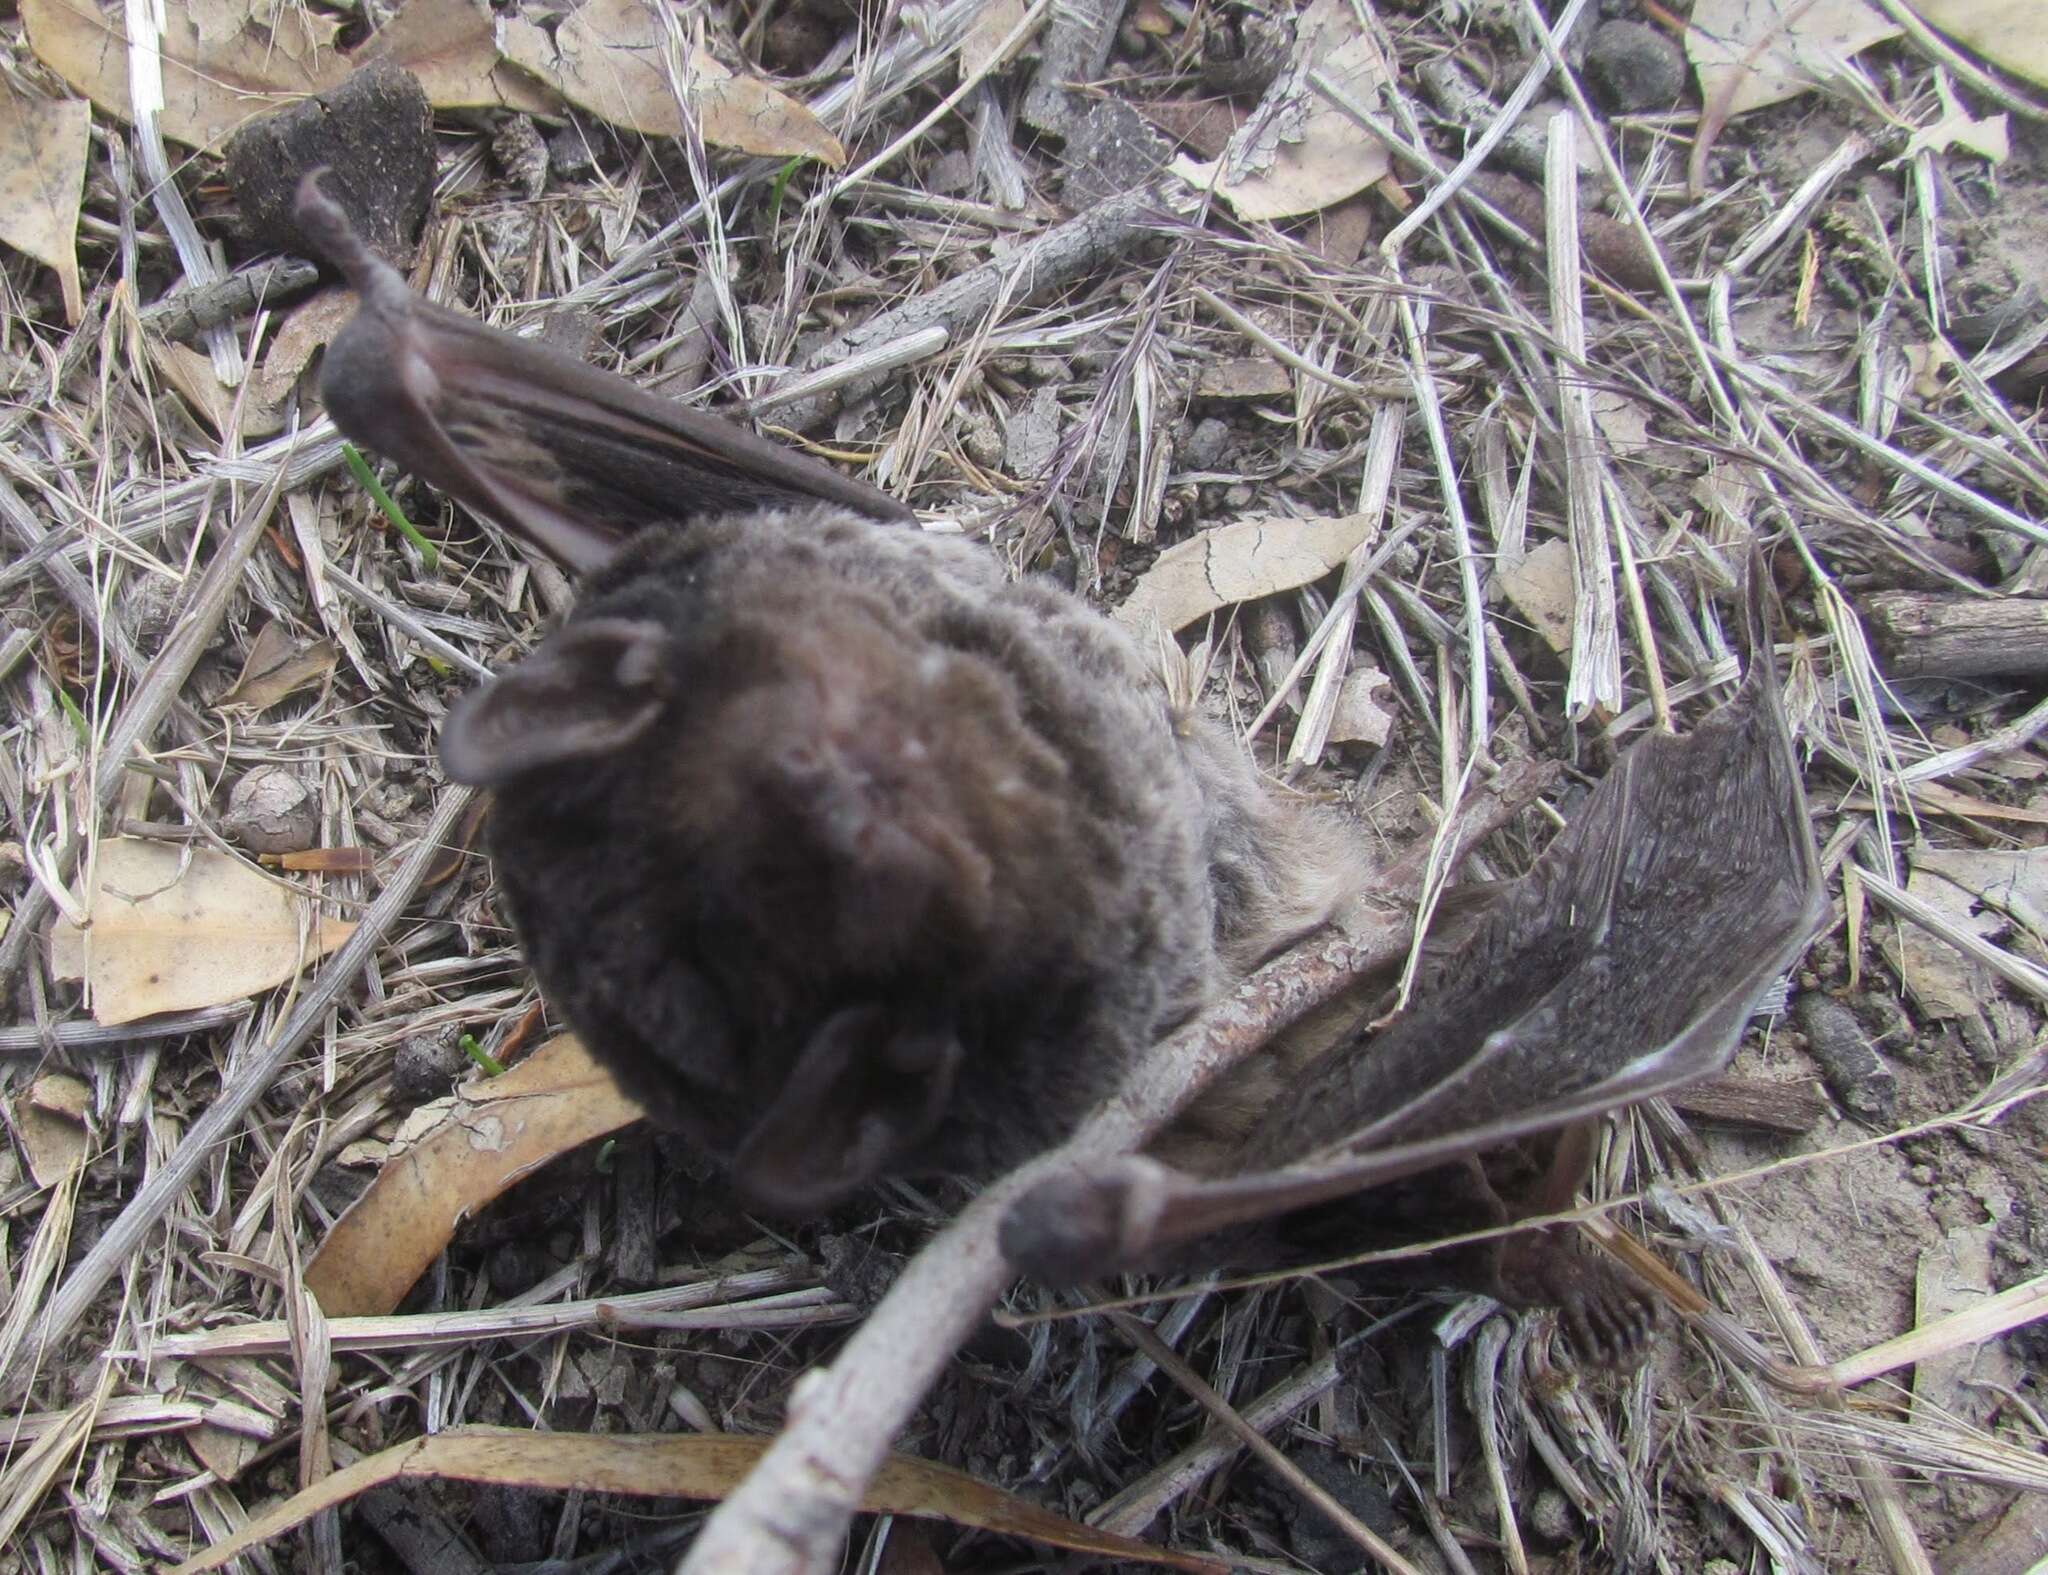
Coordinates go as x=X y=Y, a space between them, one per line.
x=1611 y=1318
x=1610 y=1315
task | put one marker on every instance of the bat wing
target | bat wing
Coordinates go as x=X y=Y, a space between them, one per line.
x=1624 y=965
x=568 y=457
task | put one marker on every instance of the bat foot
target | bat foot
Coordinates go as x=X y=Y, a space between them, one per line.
x=1088 y=1223
x=1611 y=1317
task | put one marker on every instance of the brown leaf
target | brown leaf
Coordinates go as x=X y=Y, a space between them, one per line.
x=452 y=47
x=700 y=1466
x=612 y=57
x=164 y=939
x=223 y=62
x=1298 y=152
x=1750 y=53
x=42 y=176
x=276 y=668
x=1238 y=562
x=452 y=1157
x=2007 y=33
x=50 y=1122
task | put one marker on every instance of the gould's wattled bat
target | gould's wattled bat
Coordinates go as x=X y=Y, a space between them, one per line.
x=851 y=857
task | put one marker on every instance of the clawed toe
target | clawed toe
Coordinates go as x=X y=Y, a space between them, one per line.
x=1611 y=1318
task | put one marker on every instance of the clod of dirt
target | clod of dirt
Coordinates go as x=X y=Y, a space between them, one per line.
x=1311 y=1537
x=272 y=810
x=374 y=131
x=425 y=1066
x=1855 y=1074
x=856 y=1270
x=1634 y=67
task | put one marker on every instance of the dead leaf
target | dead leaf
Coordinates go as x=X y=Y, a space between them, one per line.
x=2014 y=884
x=452 y=47
x=612 y=58
x=453 y=1156
x=305 y=329
x=1963 y=1382
x=2007 y=33
x=162 y=939
x=277 y=668
x=1624 y=423
x=1990 y=138
x=199 y=385
x=747 y=114
x=1941 y=979
x=51 y=1124
x=1749 y=53
x=699 y=1466
x=42 y=178
x=1298 y=152
x=1238 y=563
x=1539 y=585
x=224 y=61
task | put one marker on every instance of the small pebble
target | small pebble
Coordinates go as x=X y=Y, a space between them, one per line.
x=272 y=810
x=1204 y=447
x=571 y=156
x=1551 y=1518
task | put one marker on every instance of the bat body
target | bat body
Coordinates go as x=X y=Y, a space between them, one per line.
x=847 y=855
x=851 y=858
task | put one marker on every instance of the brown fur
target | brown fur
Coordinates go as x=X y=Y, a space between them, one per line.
x=883 y=781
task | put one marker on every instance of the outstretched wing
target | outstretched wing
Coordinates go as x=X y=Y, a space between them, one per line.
x=570 y=458
x=1624 y=965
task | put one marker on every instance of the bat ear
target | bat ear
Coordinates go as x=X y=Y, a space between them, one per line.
x=867 y=1089
x=587 y=690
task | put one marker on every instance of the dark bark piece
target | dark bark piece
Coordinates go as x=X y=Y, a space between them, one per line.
x=1927 y=634
x=1791 y=1109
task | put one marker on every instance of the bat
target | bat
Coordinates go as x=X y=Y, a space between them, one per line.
x=1624 y=964
x=852 y=858
x=848 y=856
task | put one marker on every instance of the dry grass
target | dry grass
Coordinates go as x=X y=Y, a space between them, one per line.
x=1034 y=377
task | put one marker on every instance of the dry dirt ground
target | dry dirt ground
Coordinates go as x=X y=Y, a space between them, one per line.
x=1837 y=349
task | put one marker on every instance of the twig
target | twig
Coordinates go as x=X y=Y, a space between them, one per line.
x=1056 y=258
